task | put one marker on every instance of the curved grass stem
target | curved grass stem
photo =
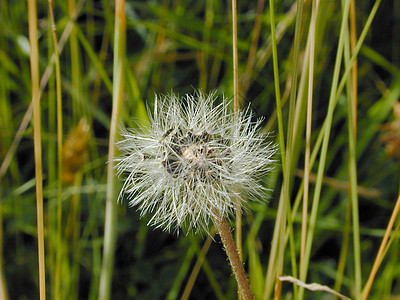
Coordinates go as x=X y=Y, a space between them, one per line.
x=381 y=252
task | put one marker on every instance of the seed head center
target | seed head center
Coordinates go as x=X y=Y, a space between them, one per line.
x=194 y=154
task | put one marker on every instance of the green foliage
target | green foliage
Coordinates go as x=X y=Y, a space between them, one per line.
x=183 y=46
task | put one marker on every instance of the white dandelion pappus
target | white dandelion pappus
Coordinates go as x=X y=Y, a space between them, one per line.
x=193 y=161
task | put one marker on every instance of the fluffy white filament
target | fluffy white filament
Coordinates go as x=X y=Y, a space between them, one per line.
x=192 y=161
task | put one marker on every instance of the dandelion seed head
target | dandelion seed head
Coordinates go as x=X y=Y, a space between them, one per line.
x=193 y=162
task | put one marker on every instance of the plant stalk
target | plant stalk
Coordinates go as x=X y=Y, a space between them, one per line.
x=236 y=105
x=381 y=251
x=59 y=251
x=37 y=140
x=234 y=259
x=110 y=234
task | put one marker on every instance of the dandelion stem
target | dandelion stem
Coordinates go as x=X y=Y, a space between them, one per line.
x=233 y=255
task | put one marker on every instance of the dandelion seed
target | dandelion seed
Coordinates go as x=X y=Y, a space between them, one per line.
x=193 y=161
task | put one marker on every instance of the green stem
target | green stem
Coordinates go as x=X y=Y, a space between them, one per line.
x=59 y=243
x=324 y=150
x=37 y=140
x=110 y=217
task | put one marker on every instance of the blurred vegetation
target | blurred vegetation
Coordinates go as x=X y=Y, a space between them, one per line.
x=182 y=46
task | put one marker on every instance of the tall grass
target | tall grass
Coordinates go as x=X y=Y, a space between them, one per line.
x=324 y=75
x=118 y=92
x=37 y=140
